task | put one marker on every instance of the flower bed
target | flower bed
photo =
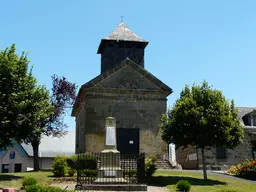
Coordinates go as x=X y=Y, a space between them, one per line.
x=246 y=169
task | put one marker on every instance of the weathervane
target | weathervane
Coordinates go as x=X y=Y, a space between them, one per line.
x=122 y=17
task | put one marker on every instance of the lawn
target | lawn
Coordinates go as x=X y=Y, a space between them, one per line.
x=161 y=178
x=170 y=178
x=15 y=179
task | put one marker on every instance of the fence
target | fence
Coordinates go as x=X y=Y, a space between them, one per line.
x=95 y=168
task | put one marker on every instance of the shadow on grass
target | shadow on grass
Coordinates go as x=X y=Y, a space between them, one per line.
x=7 y=177
x=172 y=180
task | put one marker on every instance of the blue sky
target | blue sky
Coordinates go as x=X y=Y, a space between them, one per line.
x=189 y=41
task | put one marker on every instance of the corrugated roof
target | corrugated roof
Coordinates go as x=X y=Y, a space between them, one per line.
x=123 y=33
x=52 y=146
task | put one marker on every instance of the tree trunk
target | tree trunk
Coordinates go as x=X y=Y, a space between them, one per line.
x=35 y=145
x=204 y=164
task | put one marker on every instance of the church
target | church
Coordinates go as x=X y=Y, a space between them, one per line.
x=125 y=90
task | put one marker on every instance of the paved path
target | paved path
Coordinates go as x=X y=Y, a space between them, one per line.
x=209 y=172
x=156 y=189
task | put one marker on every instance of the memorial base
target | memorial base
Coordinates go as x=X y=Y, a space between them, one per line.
x=110 y=170
x=112 y=187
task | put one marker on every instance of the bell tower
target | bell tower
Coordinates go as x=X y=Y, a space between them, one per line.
x=121 y=44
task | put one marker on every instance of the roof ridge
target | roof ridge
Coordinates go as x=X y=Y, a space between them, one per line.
x=246 y=107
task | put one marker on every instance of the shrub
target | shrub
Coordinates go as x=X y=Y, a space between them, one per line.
x=71 y=163
x=152 y=156
x=40 y=188
x=85 y=161
x=59 y=166
x=130 y=173
x=89 y=172
x=27 y=181
x=246 y=169
x=34 y=188
x=183 y=185
x=71 y=172
x=150 y=167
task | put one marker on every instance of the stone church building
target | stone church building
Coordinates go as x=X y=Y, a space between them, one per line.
x=125 y=90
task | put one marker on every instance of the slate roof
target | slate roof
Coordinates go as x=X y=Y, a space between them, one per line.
x=123 y=33
x=242 y=111
x=52 y=146
x=245 y=110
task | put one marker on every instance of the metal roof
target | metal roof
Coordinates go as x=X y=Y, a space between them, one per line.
x=52 y=146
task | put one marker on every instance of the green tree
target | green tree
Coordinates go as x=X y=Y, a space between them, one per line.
x=39 y=112
x=27 y=111
x=16 y=86
x=202 y=118
x=47 y=117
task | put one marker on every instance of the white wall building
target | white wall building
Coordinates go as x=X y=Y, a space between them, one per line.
x=19 y=157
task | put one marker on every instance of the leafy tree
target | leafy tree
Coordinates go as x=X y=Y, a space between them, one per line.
x=16 y=86
x=52 y=124
x=27 y=111
x=40 y=111
x=203 y=118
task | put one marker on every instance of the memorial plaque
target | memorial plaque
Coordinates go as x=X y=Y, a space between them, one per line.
x=110 y=136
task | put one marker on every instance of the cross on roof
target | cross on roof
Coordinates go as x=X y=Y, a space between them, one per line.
x=122 y=17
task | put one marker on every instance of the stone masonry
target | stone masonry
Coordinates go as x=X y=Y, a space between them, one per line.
x=233 y=156
x=240 y=153
x=124 y=90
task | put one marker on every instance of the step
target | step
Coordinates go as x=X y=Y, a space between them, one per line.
x=164 y=164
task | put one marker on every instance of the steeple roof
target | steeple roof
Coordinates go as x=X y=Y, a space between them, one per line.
x=123 y=33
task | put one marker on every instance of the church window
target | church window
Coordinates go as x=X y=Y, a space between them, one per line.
x=221 y=153
x=249 y=120
x=253 y=120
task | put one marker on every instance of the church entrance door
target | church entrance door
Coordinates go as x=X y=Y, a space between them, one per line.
x=128 y=141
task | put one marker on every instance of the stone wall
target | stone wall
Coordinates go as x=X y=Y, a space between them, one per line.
x=240 y=153
x=182 y=158
x=80 y=129
x=136 y=110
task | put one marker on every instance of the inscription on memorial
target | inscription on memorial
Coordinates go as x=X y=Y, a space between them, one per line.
x=110 y=173
x=110 y=136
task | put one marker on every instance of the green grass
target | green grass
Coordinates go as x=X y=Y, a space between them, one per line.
x=161 y=178
x=14 y=179
x=170 y=178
